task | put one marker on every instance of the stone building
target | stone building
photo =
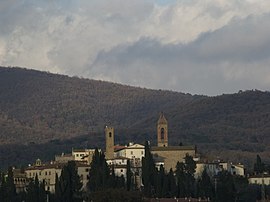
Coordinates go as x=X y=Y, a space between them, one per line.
x=171 y=154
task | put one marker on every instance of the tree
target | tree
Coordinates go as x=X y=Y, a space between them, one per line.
x=225 y=187
x=148 y=171
x=69 y=185
x=129 y=176
x=10 y=186
x=259 y=166
x=172 y=184
x=99 y=174
x=185 y=177
x=36 y=191
x=205 y=186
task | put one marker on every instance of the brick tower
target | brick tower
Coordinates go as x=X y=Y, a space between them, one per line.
x=162 y=131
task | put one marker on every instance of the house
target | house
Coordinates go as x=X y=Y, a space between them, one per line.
x=259 y=179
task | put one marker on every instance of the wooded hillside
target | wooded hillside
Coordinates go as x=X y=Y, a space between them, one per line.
x=49 y=109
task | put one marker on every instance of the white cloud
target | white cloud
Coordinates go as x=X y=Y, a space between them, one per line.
x=139 y=42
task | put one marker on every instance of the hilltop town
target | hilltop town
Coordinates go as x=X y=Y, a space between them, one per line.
x=127 y=161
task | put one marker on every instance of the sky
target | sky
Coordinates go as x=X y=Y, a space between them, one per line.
x=205 y=47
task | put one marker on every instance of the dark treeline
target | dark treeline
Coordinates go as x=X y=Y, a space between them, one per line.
x=104 y=185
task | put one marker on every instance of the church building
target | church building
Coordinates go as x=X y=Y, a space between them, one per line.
x=170 y=154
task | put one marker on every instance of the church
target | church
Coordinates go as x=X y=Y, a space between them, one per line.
x=169 y=155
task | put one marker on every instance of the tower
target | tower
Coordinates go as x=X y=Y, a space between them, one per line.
x=162 y=131
x=109 y=136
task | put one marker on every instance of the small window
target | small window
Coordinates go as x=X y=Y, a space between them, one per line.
x=131 y=152
x=142 y=152
x=86 y=170
x=77 y=155
x=40 y=173
x=121 y=170
x=110 y=134
x=49 y=172
x=46 y=173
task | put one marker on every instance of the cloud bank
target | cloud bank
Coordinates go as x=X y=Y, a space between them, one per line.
x=203 y=47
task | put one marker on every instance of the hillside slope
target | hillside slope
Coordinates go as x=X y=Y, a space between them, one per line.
x=38 y=106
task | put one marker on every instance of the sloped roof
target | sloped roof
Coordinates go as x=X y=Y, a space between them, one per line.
x=162 y=119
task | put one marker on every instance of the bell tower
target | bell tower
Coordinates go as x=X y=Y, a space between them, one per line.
x=162 y=131
x=109 y=136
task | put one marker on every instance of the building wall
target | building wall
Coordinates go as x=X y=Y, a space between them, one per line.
x=134 y=151
x=171 y=157
x=83 y=172
x=259 y=180
x=47 y=174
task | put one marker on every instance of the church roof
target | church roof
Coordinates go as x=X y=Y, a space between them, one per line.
x=162 y=119
x=173 y=148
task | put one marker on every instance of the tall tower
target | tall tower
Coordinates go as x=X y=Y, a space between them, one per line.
x=109 y=136
x=162 y=131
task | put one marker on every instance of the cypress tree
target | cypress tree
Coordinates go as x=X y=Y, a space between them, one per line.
x=10 y=186
x=69 y=184
x=148 y=171
x=129 y=176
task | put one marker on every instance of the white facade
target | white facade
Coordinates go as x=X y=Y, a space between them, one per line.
x=119 y=165
x=213 y=169
x=133 y=151
x=46 y=173
x=83 y=172
x=83 y=155
x=259 y=179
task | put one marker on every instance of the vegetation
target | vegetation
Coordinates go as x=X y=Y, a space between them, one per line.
x=39 y=108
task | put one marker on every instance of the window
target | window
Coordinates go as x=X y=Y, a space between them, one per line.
x=46 y=173
x=131 y=152
x=121 y=170
x=87 y=170
x=142 y=152
x=49 y=172
x=162 y=133
x=77 y=155
x=110 y=134
x=39 y=172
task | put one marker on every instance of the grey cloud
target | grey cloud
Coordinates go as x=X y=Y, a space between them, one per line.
x=234 y=57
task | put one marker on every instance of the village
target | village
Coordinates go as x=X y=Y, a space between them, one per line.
x=117 y=157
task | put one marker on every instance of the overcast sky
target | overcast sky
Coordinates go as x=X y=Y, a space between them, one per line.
x=194 y=46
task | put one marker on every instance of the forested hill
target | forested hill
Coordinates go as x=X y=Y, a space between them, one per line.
x=39 y=107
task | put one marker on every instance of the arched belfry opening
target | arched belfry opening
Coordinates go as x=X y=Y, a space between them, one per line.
x=162 y=131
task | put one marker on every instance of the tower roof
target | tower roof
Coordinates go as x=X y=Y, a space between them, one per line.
x=162 y=119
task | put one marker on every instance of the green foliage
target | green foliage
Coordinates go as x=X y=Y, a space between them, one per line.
x=100 y=175
x=68 y=187
x=185 y=177
x=149 y=171
x=226 y=190
x=129 y=176
x=35 y=191
x=205 y=187
x=259 y=166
